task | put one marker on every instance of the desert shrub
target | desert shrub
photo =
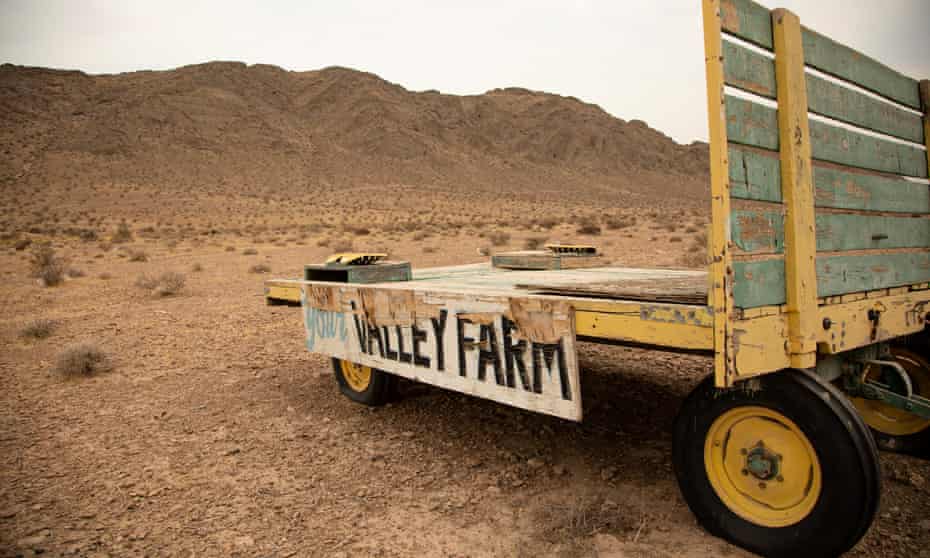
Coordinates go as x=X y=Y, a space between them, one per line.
x=105 y=276
x=249 y=252
x=674 y=239
x=547 y=222
x=534 y=243
x=429 y=249
x=499 y=238
x=82 y=360
x=167 y=284
x=616 y=223
x=74 y=273
x=260 y=268
x=484 y=251
x=38 y=329
x=342 y=245
x=420 y=235
x=88 y=235
x=46 y=265
x=230 y=248
x=691 y=229
x=196 y=267
x=138 y=256
x=323 y=242
x=589 y=228
x=22 y=244
x=123 y=233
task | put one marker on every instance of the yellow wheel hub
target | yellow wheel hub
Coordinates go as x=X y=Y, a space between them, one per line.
x=762 y=466
x=892 y=420
x=357 y=376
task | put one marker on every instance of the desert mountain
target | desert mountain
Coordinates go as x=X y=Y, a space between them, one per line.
x=228 y=127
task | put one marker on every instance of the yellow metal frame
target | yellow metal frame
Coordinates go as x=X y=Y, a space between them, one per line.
x=721 y=269
x=797 y=189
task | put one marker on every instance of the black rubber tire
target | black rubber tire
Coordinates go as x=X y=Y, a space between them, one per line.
x=851 y=479
x=380 y=390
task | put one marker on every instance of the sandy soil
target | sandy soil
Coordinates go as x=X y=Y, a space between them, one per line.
x=217 y=434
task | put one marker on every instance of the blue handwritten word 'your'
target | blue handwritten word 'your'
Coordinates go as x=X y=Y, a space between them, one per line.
x=323 y=324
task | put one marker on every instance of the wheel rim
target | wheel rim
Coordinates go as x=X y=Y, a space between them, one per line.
x=357 y=376
x=888 y=419
x=762 y=466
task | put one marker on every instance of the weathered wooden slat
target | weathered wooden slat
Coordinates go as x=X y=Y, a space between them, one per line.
x=848 y=105
x=762 y=283
x=751 y=123
x=839 y=60
x=748 y=70
x=755 y=73
x=762 y=232
x=748 y=21
x=753 y=23
x=856 y=149
x=754 y=175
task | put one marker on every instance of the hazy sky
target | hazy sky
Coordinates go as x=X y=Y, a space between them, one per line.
x=637 y=59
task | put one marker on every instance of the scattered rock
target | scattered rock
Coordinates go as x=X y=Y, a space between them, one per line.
x=535 y=463
x=608 y=473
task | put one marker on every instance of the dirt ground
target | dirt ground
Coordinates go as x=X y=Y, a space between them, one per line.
x=217 y=434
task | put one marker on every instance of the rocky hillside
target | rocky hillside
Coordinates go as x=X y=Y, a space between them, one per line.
x=260 y=129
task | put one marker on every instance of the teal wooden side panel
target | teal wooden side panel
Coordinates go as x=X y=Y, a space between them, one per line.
x=755 y=73
x=847 y=147
x=750 y=123
x=762 y=283
x=763 y=232
x=849 y=189
x=748 y=21
x=848 y=105
x=838 y=60
x=755 y=175
x=759 y=283
x=748 y=70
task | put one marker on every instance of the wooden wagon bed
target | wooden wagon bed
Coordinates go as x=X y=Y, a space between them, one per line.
x=615 y=283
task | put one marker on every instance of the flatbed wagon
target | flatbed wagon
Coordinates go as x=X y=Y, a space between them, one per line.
x=814 y=307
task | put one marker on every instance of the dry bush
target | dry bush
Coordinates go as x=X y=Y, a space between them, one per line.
x=46 y=265
x=674 y=239
x=342 y=245
x=138 y=256
x=691 y=229
x=547 y=222
x=249 y=252
x=82 y=360
x=534 y=242
x=167 y=284
x=587 y=225
x=484 y=251
x=429 y=249
x=74 y=273
x=617 y=223
x=420 y=235
x=38 y=329
x=22 y=244
x=260 y=268
x=499 y=238
x=123 y=233
x=230 y=248
x=323 y=242
x=196 y=267
x=105 y=276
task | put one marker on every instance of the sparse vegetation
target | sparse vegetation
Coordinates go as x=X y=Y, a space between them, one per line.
x=82 y=360
x=196 y=267
x=38 y=329
x=260 y=268
x=123 y=233
x=22 y=244
x=342 y=245
x=46 y=265
x=167 y=284
x=534 y=242
x=249 y=252
x=74 y=273
x=499 y=238
x=138 y=256
x=587 y=226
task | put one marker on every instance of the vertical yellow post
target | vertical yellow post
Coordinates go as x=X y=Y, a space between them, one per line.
x=925 y=103
x=721 y=271
x=797 y=190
